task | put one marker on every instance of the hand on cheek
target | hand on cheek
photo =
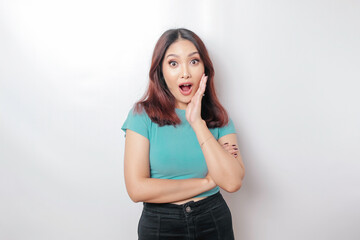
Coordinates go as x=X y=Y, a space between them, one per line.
x=193 y=109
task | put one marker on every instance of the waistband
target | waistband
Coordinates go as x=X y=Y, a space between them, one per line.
x=190 y=207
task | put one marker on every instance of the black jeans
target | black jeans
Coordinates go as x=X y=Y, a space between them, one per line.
x=207 y=219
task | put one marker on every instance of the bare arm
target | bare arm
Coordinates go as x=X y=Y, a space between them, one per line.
x=226 y=168
x=142 y=188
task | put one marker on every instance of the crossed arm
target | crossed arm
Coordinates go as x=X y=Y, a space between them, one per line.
x=224 y=162
x=225 y=166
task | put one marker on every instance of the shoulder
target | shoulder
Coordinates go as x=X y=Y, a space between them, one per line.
x=139 y=116
x=227 y=128
x=137 y=120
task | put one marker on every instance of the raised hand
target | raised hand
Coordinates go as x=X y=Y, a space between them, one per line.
x=193 y=109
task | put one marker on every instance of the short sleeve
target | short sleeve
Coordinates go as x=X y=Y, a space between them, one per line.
x=230 y=128
x=137 y=122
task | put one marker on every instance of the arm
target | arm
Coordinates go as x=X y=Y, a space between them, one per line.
x=142 y=188
x=226 y=170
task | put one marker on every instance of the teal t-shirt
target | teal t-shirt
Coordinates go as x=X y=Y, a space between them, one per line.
x=175 y=152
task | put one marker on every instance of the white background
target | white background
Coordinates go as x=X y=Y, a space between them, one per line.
x=286 y=71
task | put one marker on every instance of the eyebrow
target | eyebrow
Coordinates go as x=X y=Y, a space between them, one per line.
x=174 y=55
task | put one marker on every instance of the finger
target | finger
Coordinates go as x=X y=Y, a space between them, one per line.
x=226 y=145
x=199 y=93
x=227 y=148
x=202 y=87
x=233 y=151
x=198 y=90
x=201 y=82
x=204 y=84
x=235 y=154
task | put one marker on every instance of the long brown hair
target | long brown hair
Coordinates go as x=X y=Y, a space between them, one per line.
x=158 y=101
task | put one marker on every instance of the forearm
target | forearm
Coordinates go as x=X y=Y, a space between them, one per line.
x=168 y=190
x=223 y=167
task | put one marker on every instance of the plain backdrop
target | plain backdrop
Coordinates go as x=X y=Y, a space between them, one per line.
x=286 y=71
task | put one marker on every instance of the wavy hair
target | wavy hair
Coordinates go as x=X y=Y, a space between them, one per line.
x=158 y=101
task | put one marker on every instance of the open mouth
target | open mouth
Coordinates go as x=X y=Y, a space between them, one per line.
x=185 y=88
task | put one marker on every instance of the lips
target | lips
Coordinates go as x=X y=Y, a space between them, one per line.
x=185 y=88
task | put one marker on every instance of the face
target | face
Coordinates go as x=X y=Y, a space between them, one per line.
x=182 y=69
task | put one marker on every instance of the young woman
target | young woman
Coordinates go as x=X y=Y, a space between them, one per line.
x=181 y=146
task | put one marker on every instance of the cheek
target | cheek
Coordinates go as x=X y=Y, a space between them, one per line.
x=170 y=80
x=198 y=71
x=170 y=75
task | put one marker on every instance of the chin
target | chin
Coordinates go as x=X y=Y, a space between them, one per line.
x=187 y=101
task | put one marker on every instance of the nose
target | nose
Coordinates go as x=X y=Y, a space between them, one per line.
x=185 y=73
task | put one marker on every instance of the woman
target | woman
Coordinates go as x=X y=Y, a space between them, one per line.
x=181 y=147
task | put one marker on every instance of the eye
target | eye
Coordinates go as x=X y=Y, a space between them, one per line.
x=173 y=63
x=194 y=61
